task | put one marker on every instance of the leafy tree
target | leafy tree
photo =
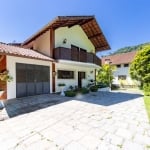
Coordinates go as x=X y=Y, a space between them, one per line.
x=105 y=74
x=140 y=67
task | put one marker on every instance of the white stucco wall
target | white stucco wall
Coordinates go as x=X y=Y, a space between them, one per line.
x=42 y=43
x=74 y=35
x=89 y=71
x=11 y=66
x=122 y=71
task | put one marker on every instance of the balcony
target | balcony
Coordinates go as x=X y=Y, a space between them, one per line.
x=76 y=55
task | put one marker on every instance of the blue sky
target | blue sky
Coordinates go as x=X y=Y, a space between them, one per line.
x=124 y=22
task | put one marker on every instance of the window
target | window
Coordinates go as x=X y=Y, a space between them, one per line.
x=118 y=66
x=126 y=65
x=63 y=74
x=122 y=77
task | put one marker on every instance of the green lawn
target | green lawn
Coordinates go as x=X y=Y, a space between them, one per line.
x=147 y=105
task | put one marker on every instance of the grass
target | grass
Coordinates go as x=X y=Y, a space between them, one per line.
x=147 y=105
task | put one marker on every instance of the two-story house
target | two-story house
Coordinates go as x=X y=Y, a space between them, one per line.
x=63 y=51
x=122 y=64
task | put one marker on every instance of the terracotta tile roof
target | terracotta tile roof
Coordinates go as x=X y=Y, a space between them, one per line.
x=120 y=58
x=22 y=52
x=87 y=23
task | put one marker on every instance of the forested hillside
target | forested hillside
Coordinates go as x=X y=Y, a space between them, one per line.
x=130 y=48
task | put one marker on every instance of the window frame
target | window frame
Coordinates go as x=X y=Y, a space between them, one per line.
x=72 y=75
x=118 y=66
x=126 y=65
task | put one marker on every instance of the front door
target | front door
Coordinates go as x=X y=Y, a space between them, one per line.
x=81 y=75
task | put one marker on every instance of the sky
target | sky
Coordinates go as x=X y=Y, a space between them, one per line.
x=123 y=22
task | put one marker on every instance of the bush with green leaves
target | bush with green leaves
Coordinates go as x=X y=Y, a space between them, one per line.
x=4 y=76
x=70 y=93
x=61 y=84
x=102 y=85
x=140 y=67
x=114 y=87
x=84 y=90
x=94 y=88
x=105 y=74
x=146 y=89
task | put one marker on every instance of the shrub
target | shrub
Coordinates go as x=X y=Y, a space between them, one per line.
x=84 y=90
x=146 y=89
x=102 y=85
x=70 y=93
x=94 y=88
x=61 y=84
x=114 y=87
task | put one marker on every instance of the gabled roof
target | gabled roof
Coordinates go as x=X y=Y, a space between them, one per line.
x=88 y=24
x=122 y=58
x=22 y=52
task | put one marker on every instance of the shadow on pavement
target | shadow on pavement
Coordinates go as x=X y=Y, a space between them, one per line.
x=108 y=98
x=20 y=106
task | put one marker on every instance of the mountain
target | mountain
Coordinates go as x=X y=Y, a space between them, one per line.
x=130 y=48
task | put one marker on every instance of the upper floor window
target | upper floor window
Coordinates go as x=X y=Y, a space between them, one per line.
x=126 y=65
x=63 y=74
x=118 y=66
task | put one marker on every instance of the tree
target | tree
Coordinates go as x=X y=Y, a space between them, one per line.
x=105 y=74
x=140 y=67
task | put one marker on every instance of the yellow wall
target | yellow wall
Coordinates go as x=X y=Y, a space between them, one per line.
x=42 y=43
x=74 y=35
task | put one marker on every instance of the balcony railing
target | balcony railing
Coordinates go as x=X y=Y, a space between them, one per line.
x=76 y=55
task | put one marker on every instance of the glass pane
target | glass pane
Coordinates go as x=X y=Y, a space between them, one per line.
x=62 y=74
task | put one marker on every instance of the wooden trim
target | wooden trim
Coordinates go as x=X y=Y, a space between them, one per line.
x=53 y=78
x=93 y=36
x=52 y=42
x=3 y=84
x=87 y=23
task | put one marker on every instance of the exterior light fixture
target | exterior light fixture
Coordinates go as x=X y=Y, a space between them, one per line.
x=54 y=73
x=64 y=41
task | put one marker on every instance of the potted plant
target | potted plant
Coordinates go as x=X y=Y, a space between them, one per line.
x=62 y=85
x=1 y=92
x=4 y=76
x=1 y=102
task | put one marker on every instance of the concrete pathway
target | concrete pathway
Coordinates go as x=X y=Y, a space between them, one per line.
x=96 y=121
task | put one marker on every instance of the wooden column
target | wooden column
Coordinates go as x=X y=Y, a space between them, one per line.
x=52 y=41
x=52 y=46
x=53 y=77
x=3 y=84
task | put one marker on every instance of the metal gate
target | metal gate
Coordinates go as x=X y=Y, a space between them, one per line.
x=32 y=80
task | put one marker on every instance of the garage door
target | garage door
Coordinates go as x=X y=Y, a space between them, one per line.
x=32 y=80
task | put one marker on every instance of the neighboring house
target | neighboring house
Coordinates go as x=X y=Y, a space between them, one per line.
x=122 y=63
x=64 y=51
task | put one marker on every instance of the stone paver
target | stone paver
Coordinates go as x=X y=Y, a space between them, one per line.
x=96 y=121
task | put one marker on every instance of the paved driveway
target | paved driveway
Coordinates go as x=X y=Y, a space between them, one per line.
x=102 y=120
